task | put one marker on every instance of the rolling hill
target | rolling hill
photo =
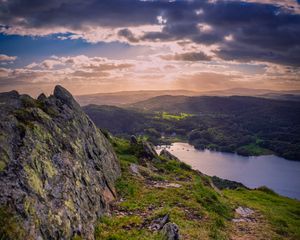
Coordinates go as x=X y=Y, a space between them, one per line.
x=246 y=125
x=130 y=97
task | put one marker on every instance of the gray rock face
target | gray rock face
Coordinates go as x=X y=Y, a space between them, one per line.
x=149 y=150
x=57 y=170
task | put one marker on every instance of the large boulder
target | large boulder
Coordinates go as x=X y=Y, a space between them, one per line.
x=167 y=155
x=57 y=170
x=148 y=151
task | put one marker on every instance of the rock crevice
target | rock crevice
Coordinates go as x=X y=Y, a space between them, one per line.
x=57 y=170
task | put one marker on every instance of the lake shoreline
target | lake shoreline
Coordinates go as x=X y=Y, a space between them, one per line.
x=235 y=153
x=252 y=171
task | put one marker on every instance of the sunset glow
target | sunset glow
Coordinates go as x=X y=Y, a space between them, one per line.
x=106 y=46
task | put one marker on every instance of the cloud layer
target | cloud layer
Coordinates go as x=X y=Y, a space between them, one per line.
x=5 y=58
x=183 y=35
x=260 y=30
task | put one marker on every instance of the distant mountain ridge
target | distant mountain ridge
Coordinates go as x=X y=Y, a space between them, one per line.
x=130 y=97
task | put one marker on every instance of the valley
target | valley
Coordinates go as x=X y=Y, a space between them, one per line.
x=150 y=120
x=64 y=178
x=245 y=125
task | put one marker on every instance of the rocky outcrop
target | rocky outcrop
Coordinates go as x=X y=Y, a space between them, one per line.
x=145 y=151
x=57 y=170
x=148 y=151
x=166 y=154
x=133 y=140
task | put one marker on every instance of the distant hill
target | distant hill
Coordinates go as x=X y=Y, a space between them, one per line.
x=130 y=97
x=216 y=104
x=282 y=96
x=246 y=125
x=251 y=92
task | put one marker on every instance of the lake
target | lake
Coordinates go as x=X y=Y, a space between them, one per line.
x=277 y=173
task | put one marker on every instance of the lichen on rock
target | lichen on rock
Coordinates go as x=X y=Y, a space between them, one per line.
x=57 y=170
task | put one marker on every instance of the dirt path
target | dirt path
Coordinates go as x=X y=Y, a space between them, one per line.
x=248 y=224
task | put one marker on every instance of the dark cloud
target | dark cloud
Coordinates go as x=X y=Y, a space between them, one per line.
x=126 y=33
x=259 y=31
x=189 y=56
x=243 y=53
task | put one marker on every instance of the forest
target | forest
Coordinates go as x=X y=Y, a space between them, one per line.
x=245 y=125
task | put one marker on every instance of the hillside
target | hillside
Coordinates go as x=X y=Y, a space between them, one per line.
x=115 y=119
x=246 y=125
x=213 y=104
x=62 y=178
x=158 y=194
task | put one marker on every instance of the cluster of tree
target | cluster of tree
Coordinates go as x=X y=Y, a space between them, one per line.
x=248 y=126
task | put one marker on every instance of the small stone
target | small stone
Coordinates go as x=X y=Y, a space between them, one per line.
x=244 y=212
x=170 y=231
x=159 y=223
x=134 y=169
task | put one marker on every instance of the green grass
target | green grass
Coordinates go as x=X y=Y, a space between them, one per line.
x=169 y=116
x=195 y=207
x=282 y=213
x=116 y=228
x=199 y=210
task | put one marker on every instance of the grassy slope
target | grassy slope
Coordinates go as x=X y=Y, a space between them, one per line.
x=200 y=211
x=282 y=213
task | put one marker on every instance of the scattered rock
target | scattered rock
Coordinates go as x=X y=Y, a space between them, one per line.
x=249 y=225
x=165 y=185
x=244 y=212
x=244 y=215
x=168 y=185
x=159 y=223
x=170 y=231
x=135 y=169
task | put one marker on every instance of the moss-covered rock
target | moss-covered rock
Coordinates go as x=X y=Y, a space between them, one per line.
x=56 y=168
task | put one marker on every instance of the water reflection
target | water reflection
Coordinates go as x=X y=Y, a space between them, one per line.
x=281 y=175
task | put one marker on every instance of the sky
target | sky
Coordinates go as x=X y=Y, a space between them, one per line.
x=95 y=46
